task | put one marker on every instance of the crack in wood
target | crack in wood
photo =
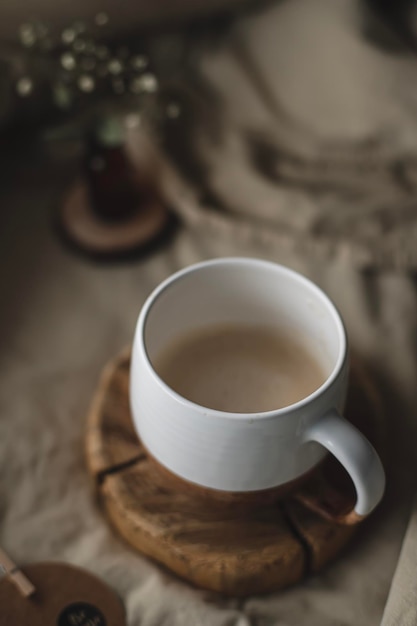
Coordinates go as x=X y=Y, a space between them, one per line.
x=298 y=535
x=119 y=467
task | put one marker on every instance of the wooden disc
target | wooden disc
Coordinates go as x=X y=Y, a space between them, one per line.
x=64 y=596
x=224 y=549
x=96 y=236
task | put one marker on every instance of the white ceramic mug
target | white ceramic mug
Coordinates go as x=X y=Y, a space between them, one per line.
x=235 y=452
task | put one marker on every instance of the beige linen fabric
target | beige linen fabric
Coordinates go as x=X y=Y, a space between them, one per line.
x=304 y=130
x=62 y=318
x=402 y=601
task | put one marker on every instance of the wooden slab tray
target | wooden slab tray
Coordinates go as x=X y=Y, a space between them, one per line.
x=223 y=549
x=87 y=232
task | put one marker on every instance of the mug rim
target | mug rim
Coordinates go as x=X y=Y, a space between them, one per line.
x=274 y=413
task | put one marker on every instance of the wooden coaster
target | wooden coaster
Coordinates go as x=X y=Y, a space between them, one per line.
x=223 y=549
x=64 y=596
x=103 y=238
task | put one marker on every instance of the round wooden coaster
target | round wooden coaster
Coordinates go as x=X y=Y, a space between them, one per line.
x=98 y=237
x=224 y=549
x=64 y=596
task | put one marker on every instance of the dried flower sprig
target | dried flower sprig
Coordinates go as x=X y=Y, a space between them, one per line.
x=82 y=64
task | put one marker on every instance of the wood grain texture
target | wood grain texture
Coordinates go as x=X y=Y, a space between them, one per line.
x=222 y=546
x=98 y=237
x=212 y=548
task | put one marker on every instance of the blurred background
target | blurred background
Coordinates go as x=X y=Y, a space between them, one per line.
x=309 y=104
x=139 y=137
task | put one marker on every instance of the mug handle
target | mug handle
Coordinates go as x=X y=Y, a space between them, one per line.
x=359 y=459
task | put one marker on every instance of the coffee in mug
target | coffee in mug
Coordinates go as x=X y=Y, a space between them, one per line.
x=240 y=369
